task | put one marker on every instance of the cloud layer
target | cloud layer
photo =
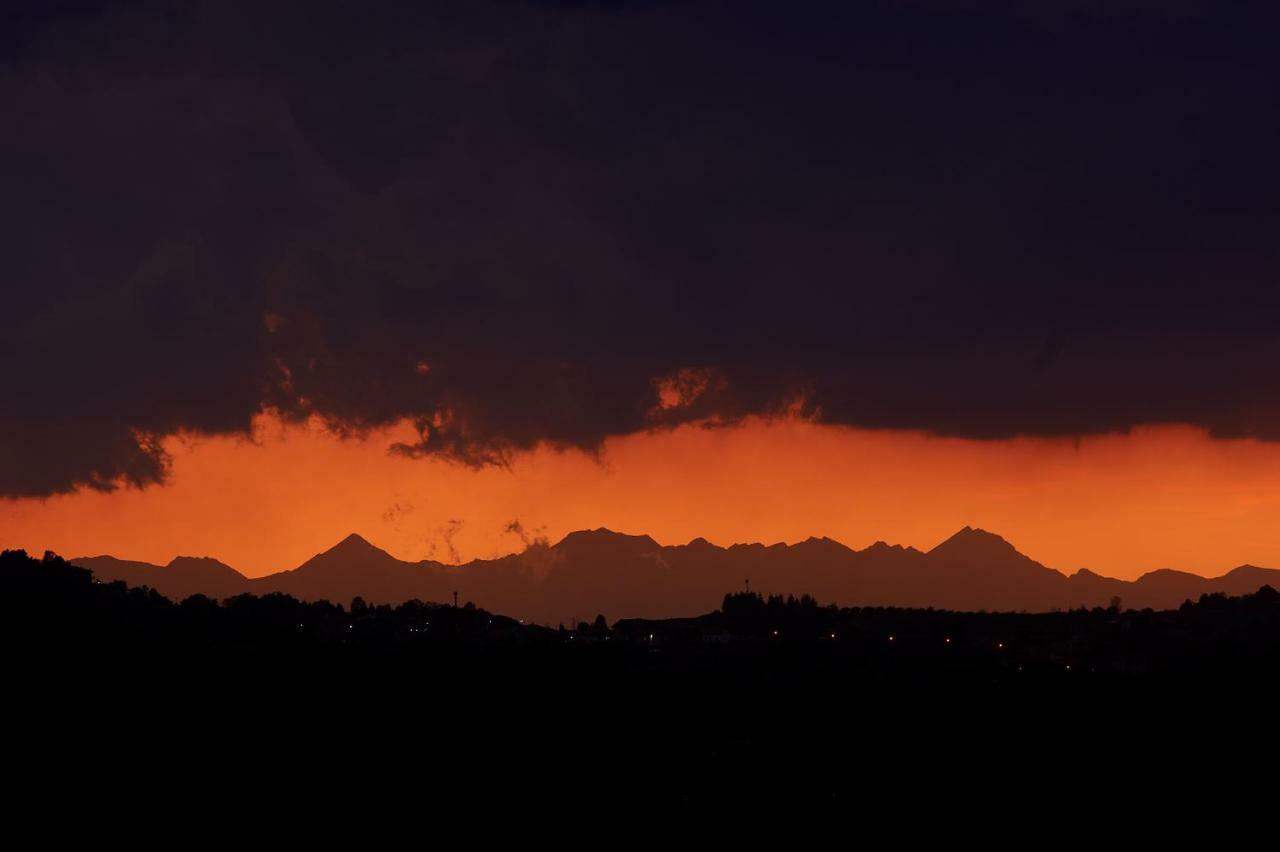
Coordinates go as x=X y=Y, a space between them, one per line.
x=555 y=223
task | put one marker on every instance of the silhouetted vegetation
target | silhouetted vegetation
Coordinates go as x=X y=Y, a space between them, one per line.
x=50 y=606
x=1215 y=635
x=764 y=703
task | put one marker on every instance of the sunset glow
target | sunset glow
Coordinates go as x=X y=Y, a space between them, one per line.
x=562 y=413
x=1119 y=505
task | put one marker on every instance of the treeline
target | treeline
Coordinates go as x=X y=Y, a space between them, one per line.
x=1217 y=633
x=49 y=606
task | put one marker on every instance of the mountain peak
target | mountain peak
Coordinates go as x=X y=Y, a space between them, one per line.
x=354 y=546
x=355 y=541
x=204 y=565
x=814 y=543
x=194 y=560
x=974 y=540
x=353 y=556
x=602 y=537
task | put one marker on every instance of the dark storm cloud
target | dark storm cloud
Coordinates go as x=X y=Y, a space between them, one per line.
x=559 y=222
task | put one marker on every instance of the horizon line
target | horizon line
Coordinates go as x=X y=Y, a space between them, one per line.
x=544 y=542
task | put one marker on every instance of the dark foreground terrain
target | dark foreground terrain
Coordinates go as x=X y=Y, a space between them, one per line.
x=354 y=718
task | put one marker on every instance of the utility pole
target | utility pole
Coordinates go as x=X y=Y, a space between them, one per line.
x=455 y=599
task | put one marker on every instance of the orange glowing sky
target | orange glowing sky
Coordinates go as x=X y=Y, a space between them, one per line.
x=1121 y=505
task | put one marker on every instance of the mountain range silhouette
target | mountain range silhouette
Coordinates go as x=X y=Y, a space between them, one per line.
x=630 y=576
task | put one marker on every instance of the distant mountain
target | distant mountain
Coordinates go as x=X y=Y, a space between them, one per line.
x=354 y=567
x=629 y=576
x=181 y=578
x=975 y=569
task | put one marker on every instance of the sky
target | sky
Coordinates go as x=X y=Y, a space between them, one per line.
x=1113 y=504
x=737 y=270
